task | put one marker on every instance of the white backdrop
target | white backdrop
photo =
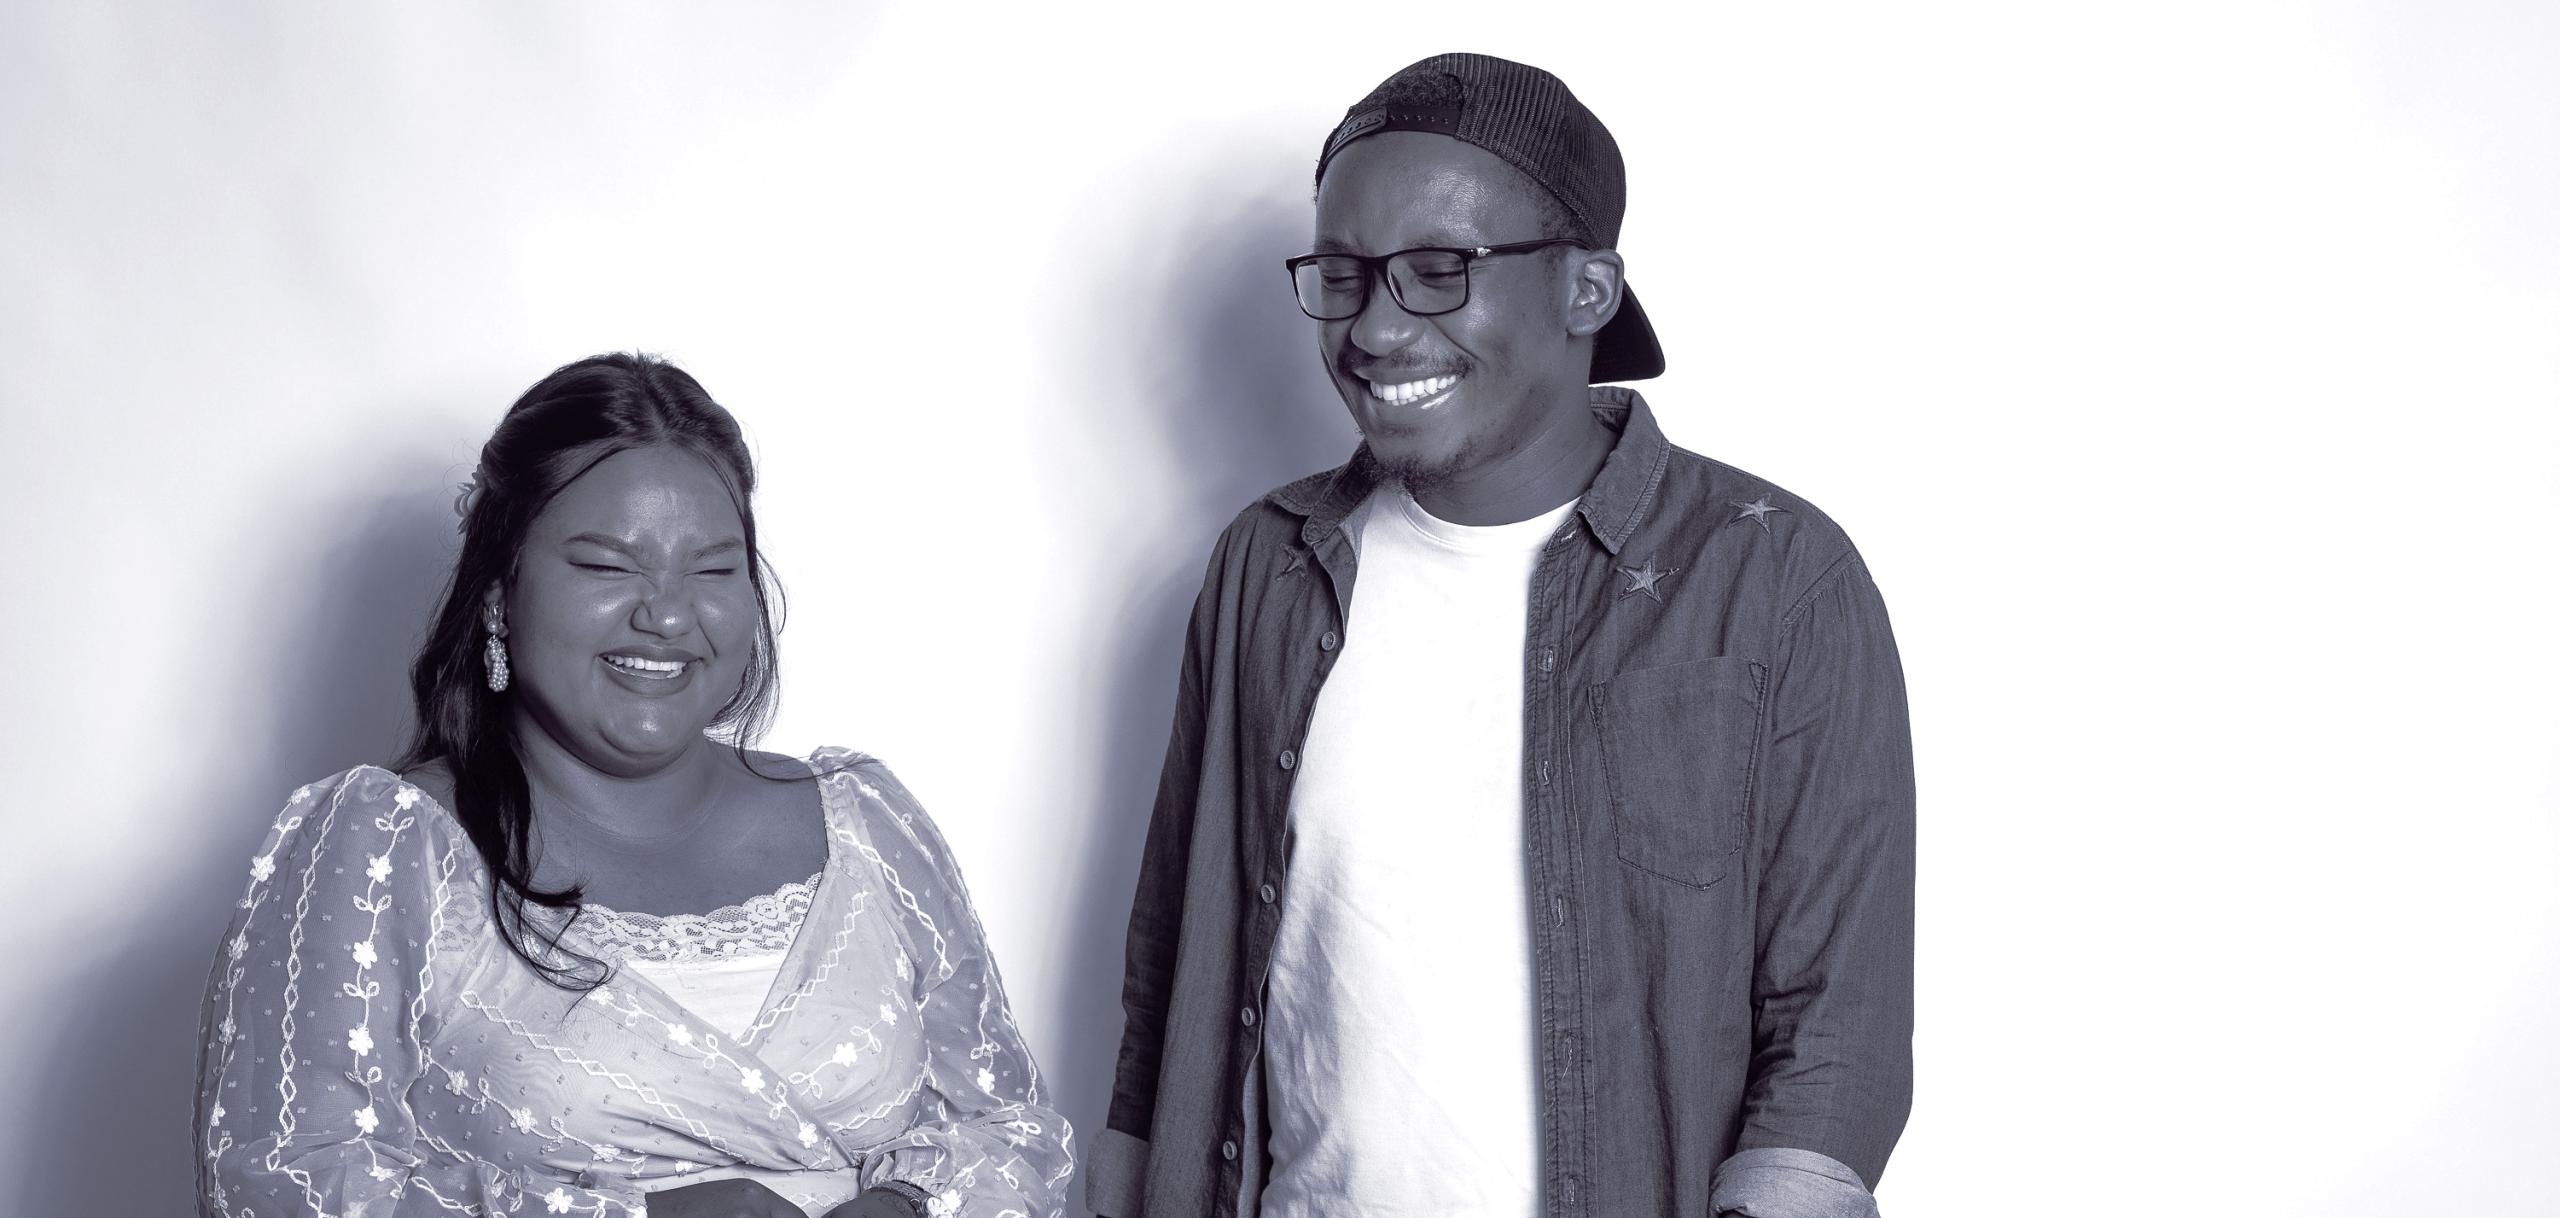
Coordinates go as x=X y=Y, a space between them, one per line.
x=2190 y=374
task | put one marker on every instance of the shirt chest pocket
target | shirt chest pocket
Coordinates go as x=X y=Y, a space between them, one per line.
x=1677 y=746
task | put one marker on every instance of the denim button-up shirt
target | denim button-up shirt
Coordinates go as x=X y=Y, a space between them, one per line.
x=1716 y=778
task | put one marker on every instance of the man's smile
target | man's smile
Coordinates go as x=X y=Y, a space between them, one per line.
x=1423 y=393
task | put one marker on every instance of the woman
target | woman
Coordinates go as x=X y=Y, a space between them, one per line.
x=579 y=957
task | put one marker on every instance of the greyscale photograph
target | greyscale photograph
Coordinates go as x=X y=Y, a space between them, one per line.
x=1315 y=610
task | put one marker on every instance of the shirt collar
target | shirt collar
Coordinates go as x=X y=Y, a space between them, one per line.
x=1615 y=504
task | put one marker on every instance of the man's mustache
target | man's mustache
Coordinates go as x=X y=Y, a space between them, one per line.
x=1396 y=372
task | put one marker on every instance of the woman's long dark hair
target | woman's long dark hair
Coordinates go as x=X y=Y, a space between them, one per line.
x=561 y=428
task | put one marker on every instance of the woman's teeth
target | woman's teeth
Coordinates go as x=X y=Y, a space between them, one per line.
x=1410 y=390
x=656 y=670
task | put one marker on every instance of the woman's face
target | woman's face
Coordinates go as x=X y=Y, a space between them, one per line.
x=632 y=616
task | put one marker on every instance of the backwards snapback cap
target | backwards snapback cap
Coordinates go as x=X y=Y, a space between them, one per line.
x=1529 y=119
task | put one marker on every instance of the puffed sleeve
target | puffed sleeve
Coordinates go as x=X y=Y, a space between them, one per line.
x=317 y=1017
x=989 y=1143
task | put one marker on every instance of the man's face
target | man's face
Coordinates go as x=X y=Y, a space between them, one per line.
x=1440 y=396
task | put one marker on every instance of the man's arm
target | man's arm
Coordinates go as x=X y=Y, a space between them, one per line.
x=1115 y=1177
x=1831 y=1055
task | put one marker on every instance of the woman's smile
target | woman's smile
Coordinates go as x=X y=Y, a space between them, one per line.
x=647 y=677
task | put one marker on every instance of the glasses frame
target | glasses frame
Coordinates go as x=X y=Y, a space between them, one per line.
x=1373 y=268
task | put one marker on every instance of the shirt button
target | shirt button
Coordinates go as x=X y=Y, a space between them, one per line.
x=1329 y=641
x=1228 y=1149
x=1269 y=894
x=1288 y=759
x=1247 y=1016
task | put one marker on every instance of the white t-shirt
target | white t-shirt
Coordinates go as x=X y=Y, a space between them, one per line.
x=1400 y=1032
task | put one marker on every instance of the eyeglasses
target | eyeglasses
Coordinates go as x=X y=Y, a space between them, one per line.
x=1426 y=281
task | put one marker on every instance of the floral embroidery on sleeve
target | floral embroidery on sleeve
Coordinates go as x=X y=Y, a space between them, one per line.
x=989 y=1137
x=312 y=1022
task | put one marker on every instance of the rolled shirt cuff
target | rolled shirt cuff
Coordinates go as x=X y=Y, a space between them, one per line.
x=1783 y=1182
x=1115 y=1175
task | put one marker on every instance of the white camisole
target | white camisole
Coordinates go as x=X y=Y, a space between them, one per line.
x=719 y=965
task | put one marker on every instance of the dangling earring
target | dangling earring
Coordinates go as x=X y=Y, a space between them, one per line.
x=495 y=652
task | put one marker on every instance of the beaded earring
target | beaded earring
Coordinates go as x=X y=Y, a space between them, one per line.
x=494 y=653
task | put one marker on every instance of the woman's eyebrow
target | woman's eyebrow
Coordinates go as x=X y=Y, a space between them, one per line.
x=620 y=546
x=598 y=539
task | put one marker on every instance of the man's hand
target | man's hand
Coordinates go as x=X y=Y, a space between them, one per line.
x=721 y=1199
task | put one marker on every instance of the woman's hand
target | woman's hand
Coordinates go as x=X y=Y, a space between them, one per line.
x=722 y=1199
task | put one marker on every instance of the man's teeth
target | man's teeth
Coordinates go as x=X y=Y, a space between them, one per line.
x=1410 y=390
x=656 y=669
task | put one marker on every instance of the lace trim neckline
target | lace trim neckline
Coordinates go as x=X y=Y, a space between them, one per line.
x=766 y=922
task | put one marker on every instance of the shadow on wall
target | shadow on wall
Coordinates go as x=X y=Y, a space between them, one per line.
x=1246 y=408
x=324 y=688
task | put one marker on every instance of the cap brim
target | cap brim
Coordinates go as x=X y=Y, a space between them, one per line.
x=1625 y=349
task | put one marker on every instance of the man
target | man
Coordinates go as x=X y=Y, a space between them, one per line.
x=1566 y=867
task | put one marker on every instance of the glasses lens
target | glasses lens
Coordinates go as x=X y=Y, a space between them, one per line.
x=1428 y=281
x=1332 y=288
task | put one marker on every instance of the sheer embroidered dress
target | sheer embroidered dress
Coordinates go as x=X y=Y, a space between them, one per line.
x=372 y=1048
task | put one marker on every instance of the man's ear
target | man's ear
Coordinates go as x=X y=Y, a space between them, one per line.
x=1598 y=280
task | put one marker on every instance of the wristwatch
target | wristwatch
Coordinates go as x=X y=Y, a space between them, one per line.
x=914 y=1197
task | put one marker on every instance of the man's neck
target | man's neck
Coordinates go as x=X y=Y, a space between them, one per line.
x=1554 y=467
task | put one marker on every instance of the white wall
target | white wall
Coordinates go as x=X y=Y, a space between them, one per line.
x=2190 y=373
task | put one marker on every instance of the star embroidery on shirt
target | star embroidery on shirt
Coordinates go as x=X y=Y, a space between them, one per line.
x=1758 y=509
x=1297 y=563
x=1646 y=580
